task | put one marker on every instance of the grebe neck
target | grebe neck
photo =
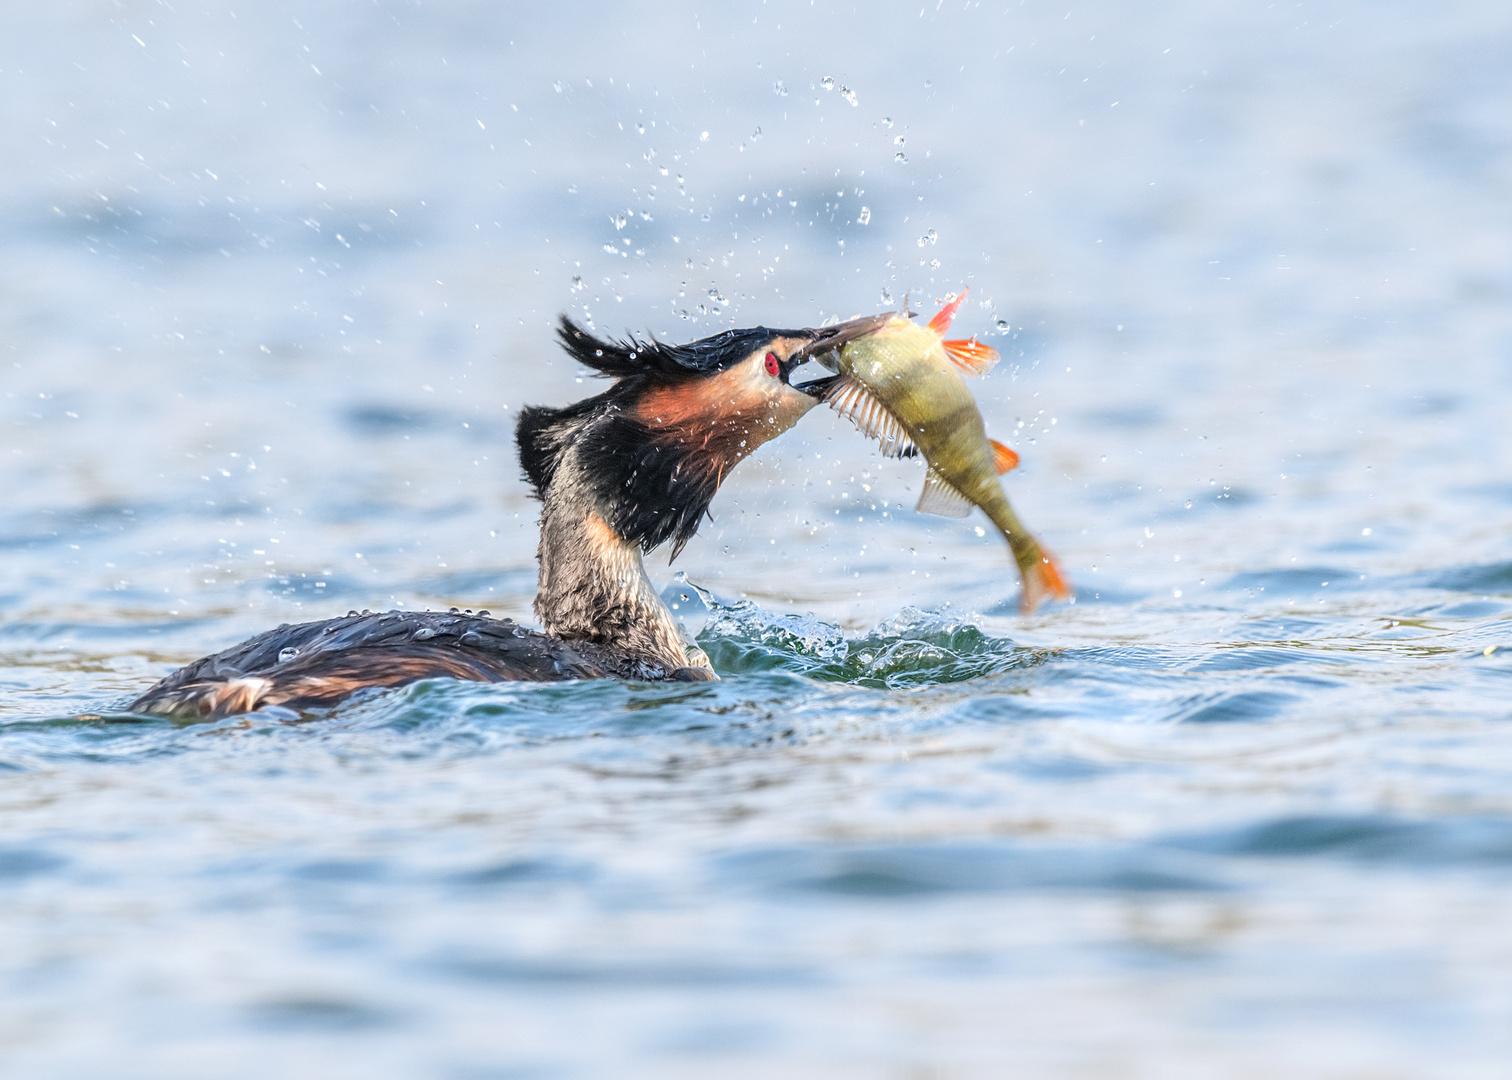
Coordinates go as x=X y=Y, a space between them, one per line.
x=593 y=585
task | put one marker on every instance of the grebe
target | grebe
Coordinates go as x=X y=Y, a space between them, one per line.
x=617 y=475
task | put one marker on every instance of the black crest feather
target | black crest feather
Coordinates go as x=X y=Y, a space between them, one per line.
x=669 y=363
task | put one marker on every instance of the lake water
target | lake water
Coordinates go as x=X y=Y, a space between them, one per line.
x=277 y=279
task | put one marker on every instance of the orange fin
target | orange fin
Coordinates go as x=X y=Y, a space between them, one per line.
x=1042 y=582
x=941 y=322
x=972 y=357
x=1004 y=458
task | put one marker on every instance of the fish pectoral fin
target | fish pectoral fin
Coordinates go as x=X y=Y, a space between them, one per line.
x=942 y=497
x=854 y=400
x=971 y=356
x=1004 y=458
x=941 y=322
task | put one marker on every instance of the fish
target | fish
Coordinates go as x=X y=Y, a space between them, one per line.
x=904 y=385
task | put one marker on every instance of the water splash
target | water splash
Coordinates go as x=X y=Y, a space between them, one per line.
x=914 y=648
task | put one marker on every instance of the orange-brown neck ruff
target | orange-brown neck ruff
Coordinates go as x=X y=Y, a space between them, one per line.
x=717 y=420
x=653 y=449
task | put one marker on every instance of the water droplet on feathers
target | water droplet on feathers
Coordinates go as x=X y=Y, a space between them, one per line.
x=285 y=655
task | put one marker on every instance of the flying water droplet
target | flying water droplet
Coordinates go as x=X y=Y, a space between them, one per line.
x=779 y=89
x=640 y=128
x=849 y=95
x=928 y=238
x=898 y=140
x=886 y=296
x=827 y=82
x=887 y=121
x=864 y=217
x=1003 y=327
x=900 y=158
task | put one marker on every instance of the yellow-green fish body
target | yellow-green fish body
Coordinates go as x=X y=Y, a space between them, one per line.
x=902 y=384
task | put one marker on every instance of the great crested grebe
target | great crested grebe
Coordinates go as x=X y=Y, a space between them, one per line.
x=617 y=475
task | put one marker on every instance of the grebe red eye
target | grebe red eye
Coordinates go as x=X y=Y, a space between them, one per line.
x=773 y=365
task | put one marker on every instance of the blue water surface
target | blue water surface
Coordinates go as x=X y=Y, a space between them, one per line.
x=276 y=281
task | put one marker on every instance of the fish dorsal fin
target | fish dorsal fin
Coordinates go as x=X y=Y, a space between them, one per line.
x=941 y=497
x=941 y=322
x=971 y=356
x=855 y=401
x=1004 y=458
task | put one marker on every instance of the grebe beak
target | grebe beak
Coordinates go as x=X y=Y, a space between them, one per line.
x=824 y=344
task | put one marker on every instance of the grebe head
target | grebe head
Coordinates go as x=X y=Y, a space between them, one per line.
x=653 y=449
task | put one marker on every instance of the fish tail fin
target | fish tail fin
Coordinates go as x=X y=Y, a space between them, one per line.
x=941 y=322
x=971 y=356
x=1043 y=581
x=1004 y=459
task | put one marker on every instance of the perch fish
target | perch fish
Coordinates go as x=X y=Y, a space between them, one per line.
x=902 y=384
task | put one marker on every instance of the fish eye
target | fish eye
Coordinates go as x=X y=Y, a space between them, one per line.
x=773 y=365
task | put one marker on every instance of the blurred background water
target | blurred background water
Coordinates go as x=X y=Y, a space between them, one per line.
x=277 y=278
